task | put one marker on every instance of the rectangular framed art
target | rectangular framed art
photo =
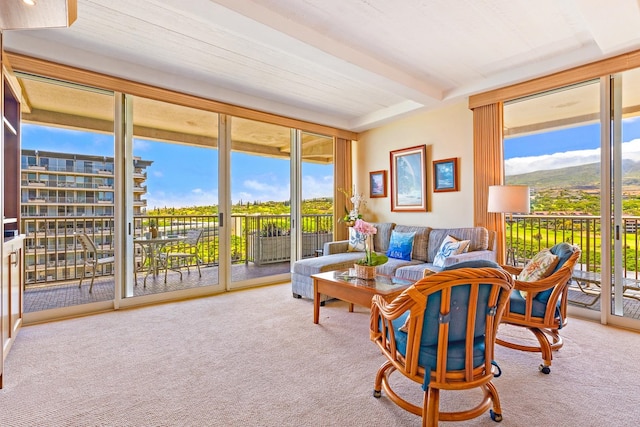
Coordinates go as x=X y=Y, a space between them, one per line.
x=445 y=175
x=409 y=180
x=378 y=184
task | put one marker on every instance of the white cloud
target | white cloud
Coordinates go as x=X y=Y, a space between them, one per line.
x=316 y=187
x=141 y=145
x=519 y=165
x=251 y=190
x=262 y=191
x=257 y=185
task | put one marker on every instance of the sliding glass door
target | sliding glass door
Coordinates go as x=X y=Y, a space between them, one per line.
x=184 y=201
x=67 y=187
x=625 y=201
x=580 y=163
x=260 y=195
x=175 y=197
x=316 y=186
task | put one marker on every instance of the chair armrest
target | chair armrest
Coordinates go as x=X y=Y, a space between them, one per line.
x=381 y=329
x=337 y=247
x=560 y=277
x=409 y=300
x=515 y=271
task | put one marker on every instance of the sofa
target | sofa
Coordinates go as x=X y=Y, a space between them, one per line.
x=426 y=244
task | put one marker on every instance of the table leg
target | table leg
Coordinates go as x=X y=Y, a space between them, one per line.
x=146 y=256
x=350 y=307
x=316 y=302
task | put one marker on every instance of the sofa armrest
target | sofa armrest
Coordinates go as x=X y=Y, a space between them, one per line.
x=337 y=247
x=470 y=256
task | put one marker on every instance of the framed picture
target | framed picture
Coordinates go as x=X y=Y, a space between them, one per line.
x=409 y=180
x=445 y=175
x=378 y=184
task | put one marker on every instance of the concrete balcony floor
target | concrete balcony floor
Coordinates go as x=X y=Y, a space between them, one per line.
x=66 y=294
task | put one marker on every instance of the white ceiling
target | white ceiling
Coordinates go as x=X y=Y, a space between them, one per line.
x=350 y=64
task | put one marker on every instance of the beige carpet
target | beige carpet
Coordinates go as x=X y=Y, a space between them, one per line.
x=255 y=358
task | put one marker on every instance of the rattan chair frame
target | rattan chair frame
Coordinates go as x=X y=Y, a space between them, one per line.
x=545 y=329
x=414 y=299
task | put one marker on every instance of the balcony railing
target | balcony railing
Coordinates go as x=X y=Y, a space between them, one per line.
x=53 y=255
x=528 y=234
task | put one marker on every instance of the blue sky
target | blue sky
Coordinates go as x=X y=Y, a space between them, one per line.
x=187 y=176
x=565 y=147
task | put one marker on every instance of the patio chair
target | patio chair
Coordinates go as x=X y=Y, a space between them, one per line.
x=541 y=305
x=93 y=257
x=440 y=333
x=183 y=258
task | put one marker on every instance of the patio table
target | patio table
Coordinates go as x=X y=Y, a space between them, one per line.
x=152 y=249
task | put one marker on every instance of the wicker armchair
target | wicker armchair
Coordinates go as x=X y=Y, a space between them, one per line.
x=450 y=319
x=543 y=307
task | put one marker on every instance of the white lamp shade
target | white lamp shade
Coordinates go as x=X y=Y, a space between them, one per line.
x=508 y=199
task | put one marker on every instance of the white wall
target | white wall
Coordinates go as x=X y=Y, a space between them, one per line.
x=447 y=133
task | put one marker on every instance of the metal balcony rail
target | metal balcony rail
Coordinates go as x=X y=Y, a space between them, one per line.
x=53 y=255
x=526 y=235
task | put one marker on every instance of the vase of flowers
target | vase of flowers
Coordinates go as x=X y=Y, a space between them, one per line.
x=365 y=268
x=353 y=212
x=364 y=271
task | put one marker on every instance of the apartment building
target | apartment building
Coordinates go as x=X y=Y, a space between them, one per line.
x=66 y=193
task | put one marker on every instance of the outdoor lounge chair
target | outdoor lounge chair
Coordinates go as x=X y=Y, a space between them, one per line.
x=93 y=258
x=188 y=253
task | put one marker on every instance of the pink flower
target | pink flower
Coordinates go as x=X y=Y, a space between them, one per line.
x=364 y=227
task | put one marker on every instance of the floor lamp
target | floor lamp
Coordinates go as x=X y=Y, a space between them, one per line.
x=509 y=199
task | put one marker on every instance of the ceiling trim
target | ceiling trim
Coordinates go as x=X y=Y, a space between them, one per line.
x=59 y=71
x=593 y=70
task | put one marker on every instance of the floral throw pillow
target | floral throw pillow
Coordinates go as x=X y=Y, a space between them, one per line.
x=539 y=267
x=356 y=241
x=401 y=245
x=450 y=246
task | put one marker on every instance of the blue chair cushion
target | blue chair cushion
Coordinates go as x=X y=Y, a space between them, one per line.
x=517 y=304
x=476 y=263
x=457 y=330
x=563 y=251
x=429 y=353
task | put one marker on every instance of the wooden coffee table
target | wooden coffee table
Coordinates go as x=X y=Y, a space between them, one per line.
x=339 y=284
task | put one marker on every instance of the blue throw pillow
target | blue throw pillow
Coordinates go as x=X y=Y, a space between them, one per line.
x=401 y=245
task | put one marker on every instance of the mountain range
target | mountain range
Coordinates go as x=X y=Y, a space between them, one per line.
x=584 y=177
